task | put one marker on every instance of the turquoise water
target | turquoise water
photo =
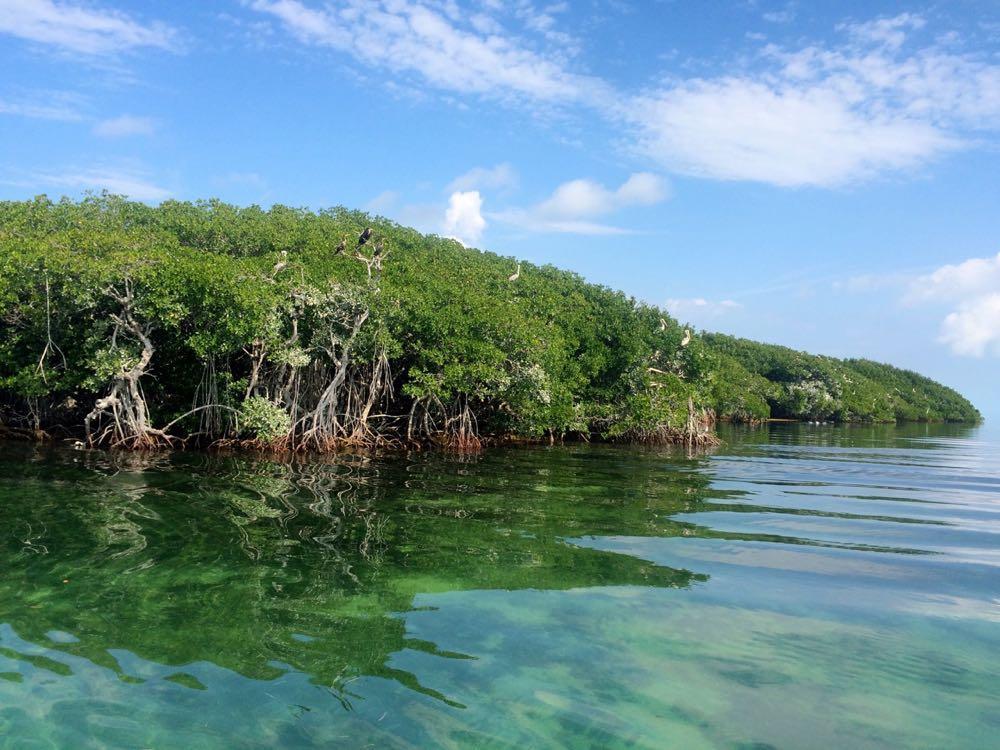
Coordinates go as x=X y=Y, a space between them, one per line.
x=799 y=587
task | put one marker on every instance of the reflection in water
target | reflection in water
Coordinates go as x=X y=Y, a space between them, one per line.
x=579 y=596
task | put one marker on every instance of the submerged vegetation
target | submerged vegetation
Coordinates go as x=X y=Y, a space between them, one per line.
x=137 y=326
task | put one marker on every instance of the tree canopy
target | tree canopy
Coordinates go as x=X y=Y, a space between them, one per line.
x=141 y=325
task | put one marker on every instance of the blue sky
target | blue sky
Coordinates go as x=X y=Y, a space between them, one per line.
x=821 y=175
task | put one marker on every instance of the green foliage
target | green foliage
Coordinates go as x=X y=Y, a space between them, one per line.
x=264 y=420
x=245 y=288
x=806 y=386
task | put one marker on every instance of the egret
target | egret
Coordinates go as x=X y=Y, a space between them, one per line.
x=663 y=324
x=517 y=274
x=687 y=337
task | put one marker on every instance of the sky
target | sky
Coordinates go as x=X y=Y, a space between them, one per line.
x=820 y=175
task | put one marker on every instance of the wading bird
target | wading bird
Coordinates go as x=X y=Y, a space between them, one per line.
x=687 y=337
x=281 y=264
x=663 y=324
x=517 y=274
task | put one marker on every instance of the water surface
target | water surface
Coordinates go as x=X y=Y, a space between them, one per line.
x=800 y=587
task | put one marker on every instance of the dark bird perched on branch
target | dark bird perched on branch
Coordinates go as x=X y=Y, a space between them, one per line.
x=377 y=252
x=341 y=247
x=365 y=236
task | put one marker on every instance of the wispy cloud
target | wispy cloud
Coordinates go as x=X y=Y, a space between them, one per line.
x=448 y=47
x=824 y=115
x=575 y=206
x=701 y=311
x=44 y=105
x=884 y=97
x=124 y=126
x=500 y=177
x=133 y=183
x=81 y=28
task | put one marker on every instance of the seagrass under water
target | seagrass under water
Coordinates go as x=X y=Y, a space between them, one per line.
x=800 y=586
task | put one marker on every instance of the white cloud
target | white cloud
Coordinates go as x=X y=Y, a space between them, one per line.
x=581 y=198
x=787 y=15
x=890 y=32
x=973 y=328
x=878 y=100
x=131 y=183
x=81 y=27
x=448 y=48
x=823 y=115
x=699 y=310
x=44 y=105
x=574 y=205
x=743 y=129
x=463 y=219
x=958 y=281
x=125 y=125
x=500 y=177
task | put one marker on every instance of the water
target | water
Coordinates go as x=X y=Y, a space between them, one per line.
x=800 y=587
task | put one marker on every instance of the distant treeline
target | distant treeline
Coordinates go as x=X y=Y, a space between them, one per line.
x=137 y=326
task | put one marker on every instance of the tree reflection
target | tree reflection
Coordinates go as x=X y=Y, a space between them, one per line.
x=261 y=566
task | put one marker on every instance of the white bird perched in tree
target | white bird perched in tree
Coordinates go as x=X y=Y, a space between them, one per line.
x=687 y=337
x=281 y=264
x=517 y=274
x=663 y=324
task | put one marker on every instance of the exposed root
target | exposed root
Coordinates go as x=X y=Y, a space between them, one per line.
x=121 y=418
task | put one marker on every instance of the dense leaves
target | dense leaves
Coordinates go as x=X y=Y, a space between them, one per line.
x=798 y=385
x=275 y=325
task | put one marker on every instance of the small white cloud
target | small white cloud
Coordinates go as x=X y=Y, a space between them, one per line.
x=958 y=281
x=582 y=198
x=890 y=32
x=699 y=310
x=82 y=28
x=642 y=189
x=574 y=205
x=463 y=219
x=973 y=328
x=500 y=177
x=124 y=126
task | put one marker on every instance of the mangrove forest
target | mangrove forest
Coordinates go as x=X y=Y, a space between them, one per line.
x=129 y=325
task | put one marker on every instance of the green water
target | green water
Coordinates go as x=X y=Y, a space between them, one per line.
x=800 y=587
